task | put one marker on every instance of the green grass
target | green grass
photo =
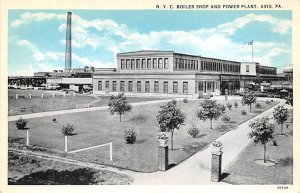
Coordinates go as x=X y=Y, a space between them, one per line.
x=245 y=171
x=26 y=105
x=98 y=127
x=27 y=170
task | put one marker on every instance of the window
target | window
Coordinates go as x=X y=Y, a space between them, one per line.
x=247 y=68
x=143 y=63
x=202 y=65
x=147 y=86
x=122 y=64
x=166 y=63
x=165 y=87
x=200 y=86
x=160 y=63
x=100 y=85
x=148 y=63
x=209 y=85
x=106 y=84
x=127 y=64
x=156 y=86
x=139 y=86
x=130 y=87
x=122 y=86
x=132 y=64
x=185 y=88
x=138 y=62
x=154 y=63
x=175 y=87
x=114 y=86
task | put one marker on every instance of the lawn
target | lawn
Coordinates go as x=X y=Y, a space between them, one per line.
x=26 y=105
x=245 y=171
x=98 y=127
x=26 y=170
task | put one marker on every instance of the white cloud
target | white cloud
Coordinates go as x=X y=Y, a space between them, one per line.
x=277 y=25
x=115 y=37
x=29 y=69
x=37 y=55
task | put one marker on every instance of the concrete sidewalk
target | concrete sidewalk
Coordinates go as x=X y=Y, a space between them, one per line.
x=196 y=169
x=60 y=112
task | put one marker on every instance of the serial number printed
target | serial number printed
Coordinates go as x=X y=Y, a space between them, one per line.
x=282 y=187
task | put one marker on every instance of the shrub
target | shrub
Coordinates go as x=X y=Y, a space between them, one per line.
x=267 y=102
x=272 y=100
x=194 y=131
x=223 y=108
x=119 y=104
x=217 y=143
x=229 y=106
x=243 y=112
x=209 y=109
x=54 y=120
x=67 y=130
x=248 y=99
x=274 y=142
x=162 y=135
x=262 y=132
x=258 y=105
x=236 y=104
x=185 y=100
x=170 y=118
x=21 y=123
x=130 y=136
x=225 y=119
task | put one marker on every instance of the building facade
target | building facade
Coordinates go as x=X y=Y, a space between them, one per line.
x=151 y=72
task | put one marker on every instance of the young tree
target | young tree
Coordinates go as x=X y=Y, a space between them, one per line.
x=67 y=131
x=170 y=118
x=248 y=99
x=209 y=109
x=262 y=132
x=21 y=125
x=281 y=115
x=118 y=104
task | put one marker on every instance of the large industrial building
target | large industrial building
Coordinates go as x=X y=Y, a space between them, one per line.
x=152 y=72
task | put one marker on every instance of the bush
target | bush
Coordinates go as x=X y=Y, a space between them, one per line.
x=130 y=136
x=267 y=102
x=185 y=100
x=194 y=131
x=225 y=119
x=67 y=130
x=258 y=105
x=272 y=100
x=236 y=104
x=21 y=123
x=223 y=108
x=229 y=106
x=243 y=112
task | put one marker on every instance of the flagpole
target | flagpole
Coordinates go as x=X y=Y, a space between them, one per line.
x=252 y=51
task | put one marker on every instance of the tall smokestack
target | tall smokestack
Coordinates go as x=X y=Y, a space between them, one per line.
x=68 y=54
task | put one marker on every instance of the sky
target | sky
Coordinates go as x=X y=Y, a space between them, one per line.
x=37 y=37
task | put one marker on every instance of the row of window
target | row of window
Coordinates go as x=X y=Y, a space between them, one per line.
x=145 y=63
x=266 y=70
x=205 y=65
x=147 y=86
x=208 y=86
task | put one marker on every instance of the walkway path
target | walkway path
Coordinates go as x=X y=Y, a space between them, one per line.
x=50 y=113
x=196 y=169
